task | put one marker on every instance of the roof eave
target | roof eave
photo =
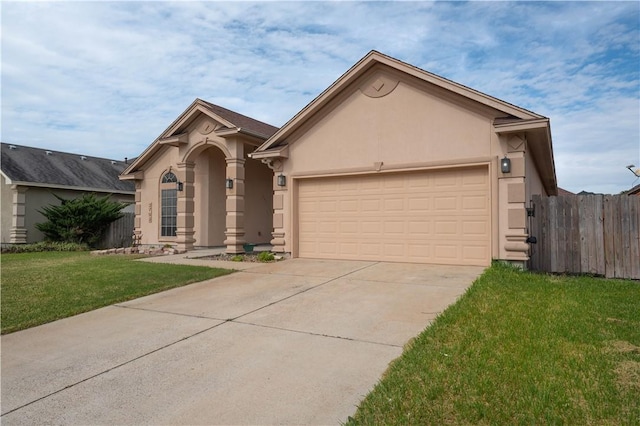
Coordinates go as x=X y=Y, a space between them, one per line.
x=73 y=188
x=538 y=133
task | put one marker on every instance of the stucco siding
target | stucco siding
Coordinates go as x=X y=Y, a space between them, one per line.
x=533 y=182
x=259 y=202
x=150 y=195
x=6 y=198
x=407 y=126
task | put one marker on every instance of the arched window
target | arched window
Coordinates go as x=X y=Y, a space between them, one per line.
x=168 y=205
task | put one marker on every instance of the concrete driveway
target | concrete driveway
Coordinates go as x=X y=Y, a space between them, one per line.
x=295 y=342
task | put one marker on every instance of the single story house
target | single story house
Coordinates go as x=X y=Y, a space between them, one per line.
x=30 y=178
x=390 y=163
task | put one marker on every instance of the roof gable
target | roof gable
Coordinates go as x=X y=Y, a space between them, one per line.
x=229 y=120
x=39 y=167
x=373 y=59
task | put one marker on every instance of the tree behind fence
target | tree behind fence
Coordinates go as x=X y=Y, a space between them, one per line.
x=120 y=232
x=587 y=234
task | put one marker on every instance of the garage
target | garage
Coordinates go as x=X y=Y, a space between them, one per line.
x=431 y=216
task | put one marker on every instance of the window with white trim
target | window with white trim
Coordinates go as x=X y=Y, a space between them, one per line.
x=169 y=205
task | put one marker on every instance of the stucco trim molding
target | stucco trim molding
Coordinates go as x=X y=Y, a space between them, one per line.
x=175 y=140
x=391 y=168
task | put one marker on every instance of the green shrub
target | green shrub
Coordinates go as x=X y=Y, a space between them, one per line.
x=237 y=258
x=44 y=246
x=265 y=256
x=81 y=220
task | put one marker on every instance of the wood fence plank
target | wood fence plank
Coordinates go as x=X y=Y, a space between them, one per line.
x=583 y=229
x=559 y=230
x=598 y=246
x=609 y=240
x=634 y=230
x=553 y=234
x=543 y=243
x=618 y=238
x=625 y=240
x=575 y=235
x=545 y=248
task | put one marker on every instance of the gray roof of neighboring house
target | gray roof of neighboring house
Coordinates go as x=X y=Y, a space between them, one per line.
x=43 y=167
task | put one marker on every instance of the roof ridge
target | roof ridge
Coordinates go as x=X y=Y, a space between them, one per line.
x=62 y=152
x=236 y=112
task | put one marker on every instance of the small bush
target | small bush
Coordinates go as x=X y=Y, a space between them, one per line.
x=265 y=256
x=81 y=220
x=237 y=258
x=44 y=246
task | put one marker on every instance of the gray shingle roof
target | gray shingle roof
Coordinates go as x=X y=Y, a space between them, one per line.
x=242 y=121
x=46 y=167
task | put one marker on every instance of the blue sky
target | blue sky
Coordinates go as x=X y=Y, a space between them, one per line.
x=106 y=78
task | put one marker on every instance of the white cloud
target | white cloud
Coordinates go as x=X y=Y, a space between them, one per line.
x=106 y=78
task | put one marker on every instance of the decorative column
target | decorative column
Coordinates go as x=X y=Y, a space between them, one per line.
x=512 y=188
x=137 y=221
x=18 y=232
x=235 y=198
x=186 y=207
x=279 y=193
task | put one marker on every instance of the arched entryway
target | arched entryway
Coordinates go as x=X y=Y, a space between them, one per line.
x=209 y=197
x=212 y=213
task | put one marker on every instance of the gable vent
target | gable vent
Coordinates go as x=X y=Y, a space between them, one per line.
x=12 y=147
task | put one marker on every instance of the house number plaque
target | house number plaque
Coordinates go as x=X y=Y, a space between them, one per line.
x=150 y=212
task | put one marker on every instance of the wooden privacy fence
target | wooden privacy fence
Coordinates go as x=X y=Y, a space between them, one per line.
x=120 y=232
x=587 y=234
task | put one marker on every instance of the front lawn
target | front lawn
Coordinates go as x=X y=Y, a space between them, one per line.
x=520 y=348
x=41 y=287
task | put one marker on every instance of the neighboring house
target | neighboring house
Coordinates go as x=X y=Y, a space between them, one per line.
x=635 y=191
x=390 y=163
x=31 y=177
x=562 y=191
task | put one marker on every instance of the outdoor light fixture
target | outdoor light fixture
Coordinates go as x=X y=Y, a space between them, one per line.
x=229 y=183
x=505 y=165
x=282 y=180
x=531 y=211
x=179 y=186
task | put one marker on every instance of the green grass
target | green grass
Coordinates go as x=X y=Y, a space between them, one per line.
x=520 y=348
x=41 y=287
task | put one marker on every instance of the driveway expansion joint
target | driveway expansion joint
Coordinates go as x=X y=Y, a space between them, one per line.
x=169 y=313
x=311 y=333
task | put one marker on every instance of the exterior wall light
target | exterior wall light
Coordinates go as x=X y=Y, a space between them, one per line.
x=179 y=186
x=282 y=180
x=531 y=211
x=229 y=183
x=505 y=165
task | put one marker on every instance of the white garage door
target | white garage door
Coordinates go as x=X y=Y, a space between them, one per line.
x=440 y=217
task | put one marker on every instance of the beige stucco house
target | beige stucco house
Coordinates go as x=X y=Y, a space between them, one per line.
x=390 y=163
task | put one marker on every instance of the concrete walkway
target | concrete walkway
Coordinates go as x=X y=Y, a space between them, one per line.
x=294 y=342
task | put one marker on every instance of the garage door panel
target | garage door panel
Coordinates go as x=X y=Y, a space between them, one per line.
x=426 y=217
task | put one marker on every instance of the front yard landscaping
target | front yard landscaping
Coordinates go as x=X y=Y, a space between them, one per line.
x=42 y=287
x=520 y=348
